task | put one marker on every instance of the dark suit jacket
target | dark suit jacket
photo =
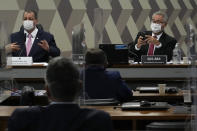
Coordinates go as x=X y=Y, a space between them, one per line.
x=168 y=44
x=102 y=84
x=59 y=117
x=38 y=53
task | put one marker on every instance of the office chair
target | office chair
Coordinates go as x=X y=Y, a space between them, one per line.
x=167 y=126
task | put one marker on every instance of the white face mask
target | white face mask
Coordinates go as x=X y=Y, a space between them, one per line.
x=28 y=24
x=155 y=27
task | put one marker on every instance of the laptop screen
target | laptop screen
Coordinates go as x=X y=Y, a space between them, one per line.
x=116 y=53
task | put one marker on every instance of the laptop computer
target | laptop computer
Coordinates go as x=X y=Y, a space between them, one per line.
x=116 y=53
x=139 y=106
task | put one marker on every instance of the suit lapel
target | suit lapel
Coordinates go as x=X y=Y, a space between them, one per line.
x=162 y=37
x=161 y=40
x=35 y=45
x=22 y=52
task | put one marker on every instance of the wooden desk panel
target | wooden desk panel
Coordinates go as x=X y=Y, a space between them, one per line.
x=137 y=116
x=115 y=113
x=118 y=114
x=176 y=97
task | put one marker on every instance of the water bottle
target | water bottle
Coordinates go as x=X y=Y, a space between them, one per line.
x=177 y=54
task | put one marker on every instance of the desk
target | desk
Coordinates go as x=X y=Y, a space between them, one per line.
x=135 y=116
x=176 y=97
x=43 y=100
x=136 y=71
x=116 y=114
x=135 y=75
x=168 y=71
x=5 y=112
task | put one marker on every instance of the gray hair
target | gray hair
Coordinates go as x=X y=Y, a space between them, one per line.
x=62 y=78
x=165 y=17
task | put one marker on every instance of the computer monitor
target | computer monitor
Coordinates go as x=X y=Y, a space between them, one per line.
x=116 y=53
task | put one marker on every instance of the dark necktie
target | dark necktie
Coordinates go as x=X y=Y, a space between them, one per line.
x=151 y=48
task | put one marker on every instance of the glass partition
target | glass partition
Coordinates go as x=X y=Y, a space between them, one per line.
x=6 y=80
x=190 y=96
x=98 y=26
x=79 y=48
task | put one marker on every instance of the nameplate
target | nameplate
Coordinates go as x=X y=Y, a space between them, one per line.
x=155 y=59
x=19 y=61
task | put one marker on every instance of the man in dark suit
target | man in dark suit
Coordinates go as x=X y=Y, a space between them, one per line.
x=155 y=42
x=100 y=83
x=32 y=41
x=63 y=114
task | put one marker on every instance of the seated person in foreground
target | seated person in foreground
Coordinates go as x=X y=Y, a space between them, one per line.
x=32 y=41
x=155 y=42
x=100 y=83
x=63 y=114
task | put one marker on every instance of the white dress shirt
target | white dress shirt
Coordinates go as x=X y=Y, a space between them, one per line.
x=33 y=34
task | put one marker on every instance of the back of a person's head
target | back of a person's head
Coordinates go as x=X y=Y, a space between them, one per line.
x=62 y=78
x=27 y=96
x=95 y=57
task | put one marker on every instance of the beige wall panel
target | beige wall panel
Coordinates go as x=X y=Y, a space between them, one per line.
x=89 y=32
x=112 y=31
x=132 y=28
x=9 y=5
x=60 y=34
x=46 y=4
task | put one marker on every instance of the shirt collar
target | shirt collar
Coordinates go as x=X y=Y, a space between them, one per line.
x=158 y=36
x=33 y=34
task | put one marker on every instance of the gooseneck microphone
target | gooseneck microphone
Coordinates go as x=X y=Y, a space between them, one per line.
x=133 y=54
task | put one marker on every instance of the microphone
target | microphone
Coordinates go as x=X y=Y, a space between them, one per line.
x=24 y=40
x=133 y=54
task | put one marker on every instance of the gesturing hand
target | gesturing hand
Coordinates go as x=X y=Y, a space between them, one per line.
x=151 y=39
x=140 y=42
x=12 y=47
x=44 y=44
